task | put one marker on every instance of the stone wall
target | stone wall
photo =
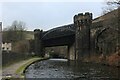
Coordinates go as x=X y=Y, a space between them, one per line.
x=105 y=30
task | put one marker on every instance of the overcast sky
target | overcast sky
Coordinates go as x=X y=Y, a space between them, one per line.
x=46 y=15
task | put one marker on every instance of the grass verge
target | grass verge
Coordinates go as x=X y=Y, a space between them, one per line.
x=21 y=70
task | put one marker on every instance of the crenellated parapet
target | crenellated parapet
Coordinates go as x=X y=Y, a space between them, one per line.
x=83 y=19
x=38 y=33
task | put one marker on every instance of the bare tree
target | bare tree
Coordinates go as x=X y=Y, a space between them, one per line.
x=114 y=2
x=111 y=5
x=15 y=32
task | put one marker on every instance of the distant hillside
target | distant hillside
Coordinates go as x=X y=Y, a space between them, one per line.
x=28 y=35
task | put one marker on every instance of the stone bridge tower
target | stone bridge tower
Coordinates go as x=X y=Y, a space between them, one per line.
x=38 y=47
x=82 y=23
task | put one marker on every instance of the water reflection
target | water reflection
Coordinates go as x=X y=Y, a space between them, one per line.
x=63 y=69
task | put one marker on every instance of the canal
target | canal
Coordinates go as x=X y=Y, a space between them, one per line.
x=62 y=69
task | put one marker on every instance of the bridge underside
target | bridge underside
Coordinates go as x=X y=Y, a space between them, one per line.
x=62 y=41
x=59 y=41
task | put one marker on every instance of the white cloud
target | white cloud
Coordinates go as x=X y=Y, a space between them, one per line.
x=35 y=15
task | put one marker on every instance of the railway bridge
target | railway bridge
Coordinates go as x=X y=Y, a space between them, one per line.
x=78 y=36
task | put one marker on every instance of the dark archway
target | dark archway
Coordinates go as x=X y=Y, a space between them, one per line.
x=106 y=40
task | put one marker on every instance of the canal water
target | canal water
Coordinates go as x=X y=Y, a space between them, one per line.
x=61 y=69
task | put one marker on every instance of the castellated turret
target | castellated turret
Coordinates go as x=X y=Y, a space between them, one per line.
x=38 y=42
x=82 y=23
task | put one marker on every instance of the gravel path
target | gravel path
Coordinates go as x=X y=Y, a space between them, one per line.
x=10 y=70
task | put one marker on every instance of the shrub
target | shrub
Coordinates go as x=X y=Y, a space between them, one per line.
x=21 y=47
x=114 y=59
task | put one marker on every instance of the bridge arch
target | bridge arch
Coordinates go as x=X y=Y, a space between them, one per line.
x=61 y=31
x=102 y=39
